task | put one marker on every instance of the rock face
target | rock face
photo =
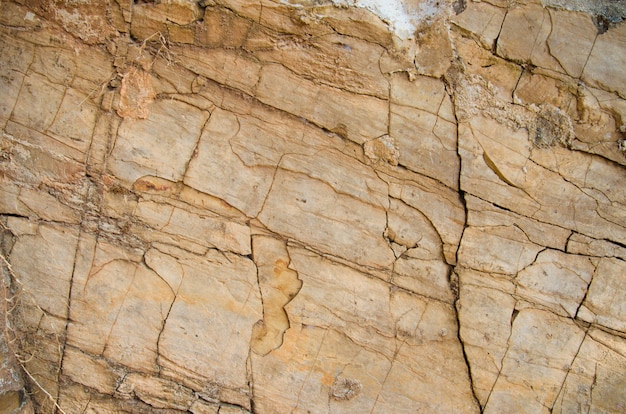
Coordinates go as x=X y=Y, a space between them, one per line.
x=270 y=206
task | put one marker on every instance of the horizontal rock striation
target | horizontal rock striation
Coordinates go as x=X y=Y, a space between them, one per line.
x=237 y=206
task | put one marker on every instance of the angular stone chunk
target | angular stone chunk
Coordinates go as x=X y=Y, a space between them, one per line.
x=37 y=103
x=217 y=170
x=16 y=56
x=343 y=62
x=160 y=145
x=605 y=303
x=482 y=20
x=570 y=42
x=215 y=308
x=207 y=230
x=317 y=368
x=503 y=250
x=115 y=298
x=485 y=307
x=90 y=371
x=596 y=379
x=312 y=212
x=356 y=117
x=426 y=142
x=224 y=66
x=540 y=351
x=556 y=280
x=43 y=261
x=441 y=205
x=606 y=61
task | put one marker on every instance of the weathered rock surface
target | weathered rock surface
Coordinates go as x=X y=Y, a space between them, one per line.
x=239 y=206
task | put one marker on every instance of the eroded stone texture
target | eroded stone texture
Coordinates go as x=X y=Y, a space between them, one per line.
x=240 y=206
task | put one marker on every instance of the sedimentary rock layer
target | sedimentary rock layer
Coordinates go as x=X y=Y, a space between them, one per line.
x=239 y=206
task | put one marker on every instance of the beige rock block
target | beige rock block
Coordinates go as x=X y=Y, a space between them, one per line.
x=482 y=21
x=318 y=369
x=502 y=250
x=426 y=277
x=579 y=244
x=485 y=308
x=430 y=343
x=150 y=19
x=221 y=27
x=523 y=36
x=136 y=94
x=556 y=280
x=502 y=174
x=343 y=62
x=595 y=380
x=225 y=66
x=90 y=371
x=156 y=392
x=338 y=295
x=440 y=205
x=216 y=163
x=356 y=117
x=43 y=262
x=75 y=121
x=501 y=73
x=408 y=227
x=16 y=55
x=278 y=285
x=205 y=229
x=571 y=40
x=434 y=52
x=311 y=211
x=170 y=133
x=424 y=93
x=426 y=143
x=605 y=302
x=46 y=206
x=343 y=173
x=606 y=60
x=541 y=350
x=115 y=294
x=213 y=313
x=37 y=103
x=56 y=64
x=485 y=214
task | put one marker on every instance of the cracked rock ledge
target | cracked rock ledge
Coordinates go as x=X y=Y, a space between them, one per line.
x=238 y=206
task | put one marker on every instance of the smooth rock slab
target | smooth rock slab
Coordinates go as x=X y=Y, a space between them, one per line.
x=208 y=329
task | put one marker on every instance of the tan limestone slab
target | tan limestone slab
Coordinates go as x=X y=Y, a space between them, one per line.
x=606 y=61
x=596 y=379
x=485 y=307
x=312 y=212
x=170 y=133
x=208 y=328
x=540 y=352
x=43 y=261
x=356 y=117
x=217 y=170
x=556 y=280
x=605 y=303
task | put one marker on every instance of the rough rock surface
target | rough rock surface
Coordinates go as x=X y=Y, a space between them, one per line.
x=237 y=206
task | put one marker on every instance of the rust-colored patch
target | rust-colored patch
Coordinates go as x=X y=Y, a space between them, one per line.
x=136 y=94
